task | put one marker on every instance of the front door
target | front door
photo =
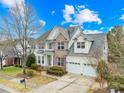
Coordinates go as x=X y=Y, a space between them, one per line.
x=49 y=60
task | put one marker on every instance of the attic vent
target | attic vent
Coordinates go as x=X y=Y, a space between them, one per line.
x=85 y=38
x=75 y=39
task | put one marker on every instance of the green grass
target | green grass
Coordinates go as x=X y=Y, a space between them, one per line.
x=90 y=91
x=11 y=71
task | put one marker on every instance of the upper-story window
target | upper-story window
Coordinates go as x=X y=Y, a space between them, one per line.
x=60 y=45
x=50 y=45
x=40 y=46
x=80 y=44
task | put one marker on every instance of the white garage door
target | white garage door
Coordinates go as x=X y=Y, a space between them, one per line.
x=74 y=67
x=85 y=69
x=88 y=70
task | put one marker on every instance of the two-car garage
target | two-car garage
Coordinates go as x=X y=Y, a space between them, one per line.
x=80 y=65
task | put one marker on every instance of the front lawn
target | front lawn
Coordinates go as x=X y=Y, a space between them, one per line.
x=16 y=86
x=11 y=71
x=40 y=80
x=32 y=82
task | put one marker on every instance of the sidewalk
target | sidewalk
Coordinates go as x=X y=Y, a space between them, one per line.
x=6 y=77
x=7 y=89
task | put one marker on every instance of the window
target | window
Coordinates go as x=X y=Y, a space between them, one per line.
x=60 y=45
x=80 y=44
x=60 y=61
x=39 y=59
x=42 y=59
x=50 y=45
x=40 y=46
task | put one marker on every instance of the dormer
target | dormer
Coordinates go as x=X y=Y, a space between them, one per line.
x=82 y=44
x=73 y=34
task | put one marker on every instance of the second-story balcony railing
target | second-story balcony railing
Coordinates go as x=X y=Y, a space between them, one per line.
x=44 y=50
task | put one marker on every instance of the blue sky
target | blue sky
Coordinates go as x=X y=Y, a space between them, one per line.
x=92 y=15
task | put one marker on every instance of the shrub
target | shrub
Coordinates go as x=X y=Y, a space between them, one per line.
x=30 y=60
x=103 y=70
x=30 y=73
x=116 y=82
x=34 y=66
x=55 y=70
x=39 y=68
x=18 y=65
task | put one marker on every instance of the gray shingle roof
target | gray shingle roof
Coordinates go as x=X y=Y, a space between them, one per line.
x=43 y=37
x=98 y=44
x=97 y=39
x=66 y=33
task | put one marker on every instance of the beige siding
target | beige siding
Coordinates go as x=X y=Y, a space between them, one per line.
x=60 y=53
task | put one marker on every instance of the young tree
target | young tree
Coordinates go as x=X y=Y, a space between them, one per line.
x=31 y=60
x=21 y=24
x=103 y=72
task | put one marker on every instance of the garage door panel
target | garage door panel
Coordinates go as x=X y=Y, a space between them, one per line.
x=89 y=71
x=73 y=68
x=79 y=68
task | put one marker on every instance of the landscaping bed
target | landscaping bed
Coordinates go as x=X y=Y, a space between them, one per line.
x=56 y=70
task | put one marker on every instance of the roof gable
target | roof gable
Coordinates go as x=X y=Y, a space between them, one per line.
x=56 y=31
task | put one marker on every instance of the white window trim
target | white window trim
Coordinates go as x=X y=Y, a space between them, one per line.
x=61 y=44
x=80 y=44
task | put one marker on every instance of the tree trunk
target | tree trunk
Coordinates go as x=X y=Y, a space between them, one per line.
x=1 y=64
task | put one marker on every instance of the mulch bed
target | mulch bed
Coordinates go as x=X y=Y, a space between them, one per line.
x=20 y=75
x=105 y=91
x=101 y=91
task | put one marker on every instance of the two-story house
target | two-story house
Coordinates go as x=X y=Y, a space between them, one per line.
x=71 y=49
x=52 y=47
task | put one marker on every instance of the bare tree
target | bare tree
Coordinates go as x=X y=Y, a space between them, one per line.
x=5 y=50
x=20 y=26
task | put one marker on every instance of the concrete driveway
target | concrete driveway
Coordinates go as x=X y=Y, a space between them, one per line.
x=69 y=83
x=3 y=91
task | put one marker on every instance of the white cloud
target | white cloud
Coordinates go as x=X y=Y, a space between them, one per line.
x=122 y=9
x=43 y=22
x=92 y=31
x=72 y=25
x=53 y=12
x=101 y=28
x=122 y=17
x=85 y=15
x=67 y=12
x=81 y=6
x=11 y=3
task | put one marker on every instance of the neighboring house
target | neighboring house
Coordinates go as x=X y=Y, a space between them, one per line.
x=71 y=49
x=13 y=53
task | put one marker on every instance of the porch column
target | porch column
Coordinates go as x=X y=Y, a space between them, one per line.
x=52 y=61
